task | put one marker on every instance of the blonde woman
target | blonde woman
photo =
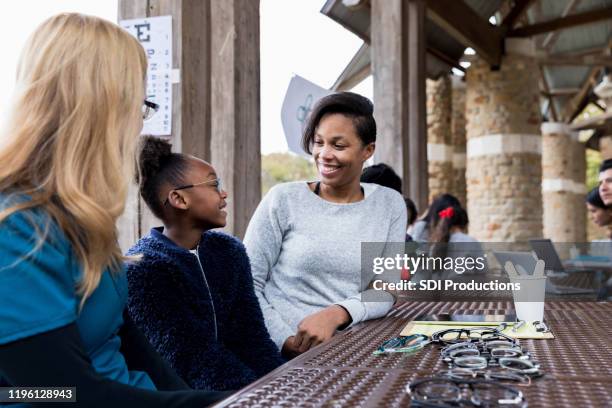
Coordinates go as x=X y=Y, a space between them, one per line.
x=65 y=157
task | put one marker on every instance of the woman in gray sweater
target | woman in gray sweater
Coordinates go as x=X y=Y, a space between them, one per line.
x=304 y=240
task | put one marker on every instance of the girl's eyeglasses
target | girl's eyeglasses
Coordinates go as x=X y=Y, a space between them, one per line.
x=148 y=109
x=218 y=186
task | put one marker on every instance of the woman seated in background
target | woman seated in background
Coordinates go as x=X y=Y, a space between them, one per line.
x=600 y=214
x=305 y=238
x=192 y=291
x=448 y=235
x=384 y=175
x=421 y=229
x=63 y=185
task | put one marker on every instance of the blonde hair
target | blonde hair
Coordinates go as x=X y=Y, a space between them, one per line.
x=71 y=137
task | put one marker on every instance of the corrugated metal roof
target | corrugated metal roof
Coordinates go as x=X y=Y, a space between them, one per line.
x=576 y=39
x=570 y=41
x=356 y=20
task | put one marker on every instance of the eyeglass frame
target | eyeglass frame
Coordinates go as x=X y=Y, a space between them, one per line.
x=403 y=344
x=485 y=333
x=219 y=187
x=491 y=373
x=455 y=384
x=148 y=107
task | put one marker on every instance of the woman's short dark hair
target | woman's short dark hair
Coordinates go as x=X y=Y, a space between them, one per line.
x=605 y=165
x=594 y=199
x=354 y=106
x=158 y=165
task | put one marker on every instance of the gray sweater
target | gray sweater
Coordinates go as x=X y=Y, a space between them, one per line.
x=305 y=253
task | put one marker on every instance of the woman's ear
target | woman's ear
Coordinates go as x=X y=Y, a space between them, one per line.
x=177 y=200
x=368 y=151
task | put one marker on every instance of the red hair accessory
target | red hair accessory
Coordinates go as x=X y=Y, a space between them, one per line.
x=448 y=212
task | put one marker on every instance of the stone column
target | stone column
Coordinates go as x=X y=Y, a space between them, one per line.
x=439 y=146
x=504 y=166
x=563 y=188
x=458 y=138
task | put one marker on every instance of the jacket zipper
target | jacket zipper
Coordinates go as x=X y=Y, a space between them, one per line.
x=212 y=302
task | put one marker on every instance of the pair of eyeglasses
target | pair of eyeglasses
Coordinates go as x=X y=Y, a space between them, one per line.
x=218 y=186
x=460 y=335
x=148 y=109
x=403 y=344
x=446 y=392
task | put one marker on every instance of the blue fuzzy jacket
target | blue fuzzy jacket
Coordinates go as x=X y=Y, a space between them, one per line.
x=218 y=345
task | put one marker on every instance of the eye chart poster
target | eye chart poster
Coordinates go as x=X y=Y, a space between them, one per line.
x=155 y=35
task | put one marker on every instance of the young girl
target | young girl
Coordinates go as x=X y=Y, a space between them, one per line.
x=63 y=184
x=448 y=238
x=192 y=292
x=420 y=230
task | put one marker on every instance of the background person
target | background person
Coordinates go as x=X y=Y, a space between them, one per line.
x=304 y=240
x=192 y=291
x=448 y=237
x=384 y=175
x=421 y=229
x=63 y=185
x=600 y=214
x=605 y=181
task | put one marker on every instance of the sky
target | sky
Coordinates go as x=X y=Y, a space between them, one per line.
x=295 y=39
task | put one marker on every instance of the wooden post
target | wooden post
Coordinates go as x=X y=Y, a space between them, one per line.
x=418 y=188
x=235 y=147
x=129 y=223
x=197 y=47
x=398 y=62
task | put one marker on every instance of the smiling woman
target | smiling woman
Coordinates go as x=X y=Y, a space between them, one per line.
x=304 y=240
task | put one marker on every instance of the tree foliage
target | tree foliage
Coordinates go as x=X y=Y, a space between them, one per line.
x=282 y=167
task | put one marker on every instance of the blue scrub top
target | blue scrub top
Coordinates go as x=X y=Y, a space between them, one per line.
x=38 y=284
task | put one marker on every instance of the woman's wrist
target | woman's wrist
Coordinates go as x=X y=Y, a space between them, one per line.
x=341 y=316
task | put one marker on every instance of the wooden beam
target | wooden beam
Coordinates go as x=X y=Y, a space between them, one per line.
x=467 y=27
x=553 y=110
x=551 y=38
x=594 y=122
x=598 y=105
x=346 y=82
x=589 y=60
x=571 y=108
x=561 y=23
x=577 y=103
x=560 y=91
x=563 y=59
x=445 y=58
x=598 y=51
x=520 y=7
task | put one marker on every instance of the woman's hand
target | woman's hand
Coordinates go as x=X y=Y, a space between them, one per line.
x=289 y=350
x=319 y=327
